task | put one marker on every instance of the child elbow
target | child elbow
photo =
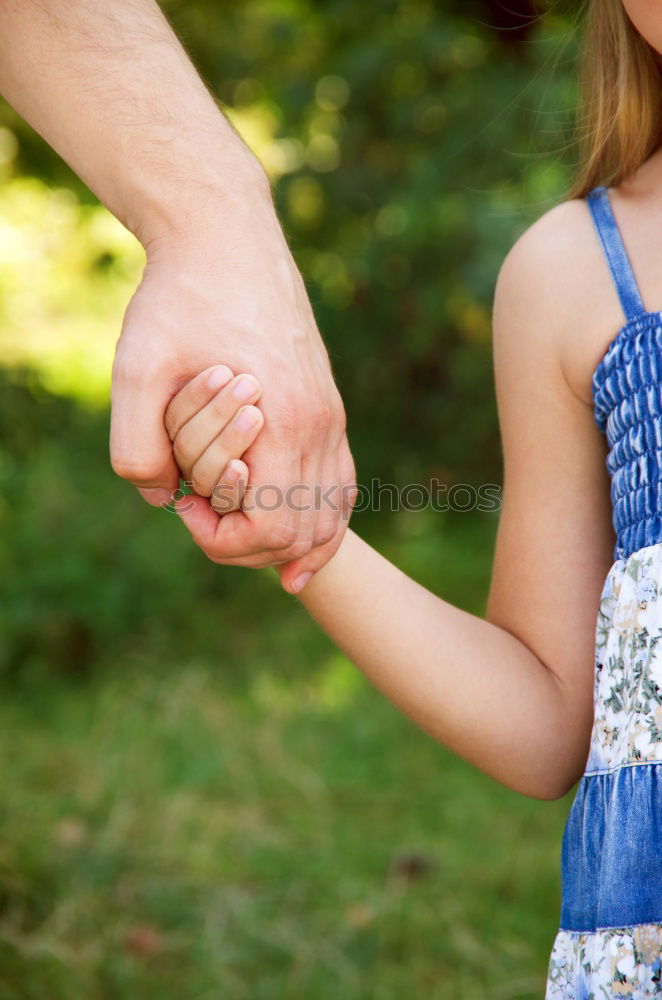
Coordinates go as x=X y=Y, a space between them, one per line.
x=551 y=784
x=550 y=793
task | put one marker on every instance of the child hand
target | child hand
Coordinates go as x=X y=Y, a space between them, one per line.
x=211 y=423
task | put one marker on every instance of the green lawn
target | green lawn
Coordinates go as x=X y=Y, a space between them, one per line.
x=166 y=836
x=201 y=798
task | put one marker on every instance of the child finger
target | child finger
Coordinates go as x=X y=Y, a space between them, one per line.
x=204 y=427
x=228 y=492
x=194 y=395
x=230 y=443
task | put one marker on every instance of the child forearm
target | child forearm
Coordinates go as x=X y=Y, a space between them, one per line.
x=471 y=684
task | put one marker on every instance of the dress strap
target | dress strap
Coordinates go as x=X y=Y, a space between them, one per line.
x=615 y=252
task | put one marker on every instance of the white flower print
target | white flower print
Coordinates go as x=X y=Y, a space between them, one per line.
x=612 y=964
x=628 y=664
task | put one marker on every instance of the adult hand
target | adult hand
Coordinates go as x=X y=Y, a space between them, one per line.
x=229 y=292
x=111 y=89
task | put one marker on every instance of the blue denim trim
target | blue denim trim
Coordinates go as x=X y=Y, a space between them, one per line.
x=615 y=252
x=611 y=855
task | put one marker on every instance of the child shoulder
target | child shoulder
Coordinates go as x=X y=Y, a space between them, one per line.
x=552 y=255
x=546 y=286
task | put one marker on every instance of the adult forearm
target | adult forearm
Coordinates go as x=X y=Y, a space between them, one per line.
x=475 y=687
x=111 y=89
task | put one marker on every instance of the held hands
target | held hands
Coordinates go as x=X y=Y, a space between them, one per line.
x=220 y=282
x=225 y=287
x=212 y=424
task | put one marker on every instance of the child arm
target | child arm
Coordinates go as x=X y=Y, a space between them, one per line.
x=512 y=694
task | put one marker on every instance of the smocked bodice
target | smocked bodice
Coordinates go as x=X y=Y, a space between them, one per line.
x=627 y=393
x=627 y=396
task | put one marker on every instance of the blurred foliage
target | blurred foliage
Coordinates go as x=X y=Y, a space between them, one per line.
x=203 y=801
x=408 y=142
x=67 y=271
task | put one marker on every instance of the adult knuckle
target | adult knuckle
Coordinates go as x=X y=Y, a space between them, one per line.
x=325 y=534
x=289 y=422
x=279 y=535
x=122 y=370
x=321 y=417
x=284 y=537
x=350 y=498
x=131 y=370
x=262 y=562
x=339 y=419
x=339 y=428
x=296 y=413
x=295 y=551
x=290 y=412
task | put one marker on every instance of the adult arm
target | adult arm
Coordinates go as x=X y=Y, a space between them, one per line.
x=110 y=88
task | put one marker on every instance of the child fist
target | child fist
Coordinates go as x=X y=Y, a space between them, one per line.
x=211 y=423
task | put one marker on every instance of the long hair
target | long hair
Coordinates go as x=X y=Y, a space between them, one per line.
x=620 y=119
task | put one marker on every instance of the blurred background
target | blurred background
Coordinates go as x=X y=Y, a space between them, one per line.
x=198 y=800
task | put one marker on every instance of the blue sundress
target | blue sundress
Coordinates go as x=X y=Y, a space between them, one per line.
x=609 y=943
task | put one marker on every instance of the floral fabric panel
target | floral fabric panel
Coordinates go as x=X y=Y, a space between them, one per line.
x=620 y=964
x=627 y=726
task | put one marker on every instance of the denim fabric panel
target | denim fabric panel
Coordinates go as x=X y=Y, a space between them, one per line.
x=614 y=250
x=627 y=396
x=611 y=856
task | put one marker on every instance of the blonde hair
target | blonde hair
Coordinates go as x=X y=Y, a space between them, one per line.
x=620 y=123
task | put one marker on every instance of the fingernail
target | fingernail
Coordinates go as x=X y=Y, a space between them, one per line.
x=234 y=470
x=246 y=418
x=300 y=582
x=219 y=377
x=244 y=388
x=157 y=497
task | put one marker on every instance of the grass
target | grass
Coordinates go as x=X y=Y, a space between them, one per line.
x=164 y=836
x=200 y=798
x=259 y=826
